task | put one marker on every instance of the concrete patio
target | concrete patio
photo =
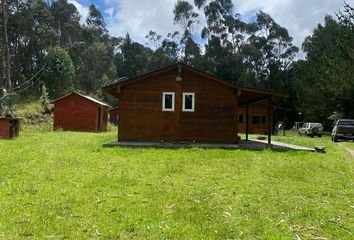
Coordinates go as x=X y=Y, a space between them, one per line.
x=243 y=145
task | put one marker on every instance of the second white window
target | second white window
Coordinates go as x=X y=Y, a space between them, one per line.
x=188 y=102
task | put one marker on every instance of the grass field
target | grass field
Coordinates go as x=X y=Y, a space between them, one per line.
x=64 y=185
x=349 y=145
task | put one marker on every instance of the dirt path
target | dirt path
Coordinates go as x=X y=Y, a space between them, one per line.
x=351 y=152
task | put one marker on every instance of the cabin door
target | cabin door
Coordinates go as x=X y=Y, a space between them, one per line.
x=170 y=128
x=170 y=117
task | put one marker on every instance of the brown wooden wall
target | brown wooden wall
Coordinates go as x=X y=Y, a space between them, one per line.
x=4 y=128
x=254 y=110
x=9 y=128
x=76 y=113
x=141 y=117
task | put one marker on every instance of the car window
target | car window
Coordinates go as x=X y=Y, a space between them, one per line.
x=346 y=122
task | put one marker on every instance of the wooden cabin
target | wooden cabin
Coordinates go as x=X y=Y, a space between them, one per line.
x=9 y=128
x=182 y=103
x=114 y=115
x=78 y=112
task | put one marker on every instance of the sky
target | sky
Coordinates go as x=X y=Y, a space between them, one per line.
x=138 y=17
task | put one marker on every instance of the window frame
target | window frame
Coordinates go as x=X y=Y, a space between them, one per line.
x=164 y=109
x=184 y=102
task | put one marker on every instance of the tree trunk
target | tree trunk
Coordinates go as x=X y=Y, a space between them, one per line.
x=2 y=58
x=6 y=52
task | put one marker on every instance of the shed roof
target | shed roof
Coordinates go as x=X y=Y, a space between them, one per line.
x=84 y=96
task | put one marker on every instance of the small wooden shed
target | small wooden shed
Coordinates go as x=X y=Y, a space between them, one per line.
x=114 y=115
x=9 y=128
x=78 y=112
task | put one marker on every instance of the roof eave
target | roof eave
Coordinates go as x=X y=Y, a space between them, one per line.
x=167 y=68
x=82 y=95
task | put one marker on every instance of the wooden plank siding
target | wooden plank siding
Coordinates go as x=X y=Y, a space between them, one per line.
x=254 y=110
x=218 y=104
x=77 y=113
x=142 y=118
x=9 y=127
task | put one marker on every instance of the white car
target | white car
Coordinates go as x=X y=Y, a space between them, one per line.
x=311 y=129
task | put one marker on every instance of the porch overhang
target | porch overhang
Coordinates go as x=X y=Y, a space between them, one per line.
x=248 y=97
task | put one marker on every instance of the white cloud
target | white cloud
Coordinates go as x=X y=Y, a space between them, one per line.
x=300 y=17
x=138 y=17
x=83 y=10
x=109 y=12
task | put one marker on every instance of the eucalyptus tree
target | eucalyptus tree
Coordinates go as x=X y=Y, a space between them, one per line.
x=132 y=58
x=170 y=46
x=66 y=22
x=346 y=16
x=6 y=63
x=188 y=19
x=31 y=32
x=95 y=22
x=154 y=39
x=269 y=51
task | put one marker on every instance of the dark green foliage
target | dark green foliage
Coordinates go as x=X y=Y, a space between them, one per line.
x=96 y=68
x=325 y=81
x=66 y=22
x=43 y=34
x=59 y=72
x=134 y=59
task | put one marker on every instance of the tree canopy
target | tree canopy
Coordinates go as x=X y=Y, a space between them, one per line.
x=80 y=54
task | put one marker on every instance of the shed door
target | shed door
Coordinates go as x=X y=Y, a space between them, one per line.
x=98 y=119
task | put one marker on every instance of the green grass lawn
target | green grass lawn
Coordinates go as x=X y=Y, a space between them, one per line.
x=65 y=185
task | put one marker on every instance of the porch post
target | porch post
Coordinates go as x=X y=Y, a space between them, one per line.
x=236 y=116
x=247 y=127
x=270 y=121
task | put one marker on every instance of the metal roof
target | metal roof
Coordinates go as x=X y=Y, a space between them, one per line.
x=84 y=96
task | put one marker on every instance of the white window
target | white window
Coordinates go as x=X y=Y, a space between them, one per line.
x=188 y=102
x=168 y=101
